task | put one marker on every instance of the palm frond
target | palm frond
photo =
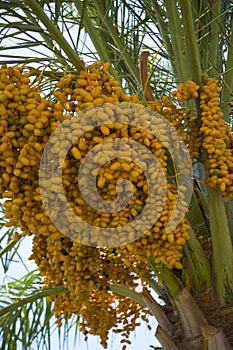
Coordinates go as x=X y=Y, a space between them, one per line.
x=24 y=324
x=36 y=26
x=26 y=315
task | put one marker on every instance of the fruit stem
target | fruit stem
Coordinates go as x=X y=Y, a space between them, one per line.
x=198 y=264
x=168 y=279
x=126 y=292
x=222 y=246
x=191 y=41
x=120 y=45
x=179 y=58
x=95 y=36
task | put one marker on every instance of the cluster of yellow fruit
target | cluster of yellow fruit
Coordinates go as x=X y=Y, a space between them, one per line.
x=115 y=170
x=27 y=122
x=186 y=91
x=209 y=139
x=87 y=273
x=217 y=140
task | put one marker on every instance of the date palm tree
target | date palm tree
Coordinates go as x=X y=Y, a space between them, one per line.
x=152 y=46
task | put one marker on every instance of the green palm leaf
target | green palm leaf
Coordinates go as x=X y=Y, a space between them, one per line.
x=26 y=315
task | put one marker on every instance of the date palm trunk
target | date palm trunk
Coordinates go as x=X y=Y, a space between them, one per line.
x=194 y=323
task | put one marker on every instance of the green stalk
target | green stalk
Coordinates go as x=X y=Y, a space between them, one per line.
x=170 y=282
x=225 y=99
x=122 y=48
x=204 y=33
x=126 y=292
x=168 y=278
x=197 y=213
x=94 y=35
x=55 y=33
x=229 y=213
x=191 y=41
x=178 y=42
x=228 y=80
x=158 y=18
x=222 y=247
x=214 y=38
x=35 y=296
x=198 y=264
